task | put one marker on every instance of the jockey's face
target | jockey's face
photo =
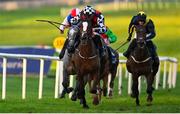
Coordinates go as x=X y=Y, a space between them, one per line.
x=141 y=22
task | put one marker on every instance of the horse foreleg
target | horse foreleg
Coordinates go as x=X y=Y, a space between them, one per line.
x=105 y=81
x=81 y=92
x=94 y=91
x=113 y=75
x=96 y=80
x=65 y=84
x=75 y=92
x=150 y=80
x=135 y=91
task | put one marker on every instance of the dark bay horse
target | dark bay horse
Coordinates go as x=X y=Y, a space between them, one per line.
x=86 y=61
x=112 y=69
x=140 y=63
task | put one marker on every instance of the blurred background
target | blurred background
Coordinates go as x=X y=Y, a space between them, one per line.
x=18 y=27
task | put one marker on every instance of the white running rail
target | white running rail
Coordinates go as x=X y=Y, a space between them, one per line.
x=59 y=73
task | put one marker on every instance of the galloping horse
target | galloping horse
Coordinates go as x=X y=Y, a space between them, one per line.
x=112 y=69
x=140 y=63
x=86 y=60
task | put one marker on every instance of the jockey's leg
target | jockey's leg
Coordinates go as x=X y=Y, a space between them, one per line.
x=99 y=45
x=152 y=49
x=130 y=48
x=61 y=55
x=112 y=55
x=72 y=34
x=154 y=55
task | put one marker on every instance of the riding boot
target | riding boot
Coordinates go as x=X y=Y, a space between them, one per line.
x=71 y=47
x=101 y=51
x=61 y=55
x=130 y=48
x=112 y=55
x=154 y=55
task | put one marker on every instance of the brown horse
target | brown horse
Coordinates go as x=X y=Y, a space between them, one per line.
x=86 y=61
x=108 y=68
x=140 y=63
x=112 y=69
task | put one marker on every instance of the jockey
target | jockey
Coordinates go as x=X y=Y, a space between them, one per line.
x=70 y=20
x=141 y=19
x=109 y=37
x=98 y=24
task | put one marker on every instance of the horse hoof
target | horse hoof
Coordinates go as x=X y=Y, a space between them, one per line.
x=62 y=96
x=73 y=98
x=149 y=99
x=95 y=100
x=69 y=90
x=109 y=97
x=85 y=106
x=133 y=96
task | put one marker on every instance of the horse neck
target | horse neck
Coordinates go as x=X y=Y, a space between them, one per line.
x=141 y=53
x=88 y=49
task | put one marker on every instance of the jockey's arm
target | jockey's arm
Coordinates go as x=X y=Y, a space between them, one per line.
x=130 y=29
x=112 y=37
x=65 y=23
x=151 y=31
x=100 y=23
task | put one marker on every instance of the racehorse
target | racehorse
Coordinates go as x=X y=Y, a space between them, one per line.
x=112 y=69
x=140 y=63
x=86 y=60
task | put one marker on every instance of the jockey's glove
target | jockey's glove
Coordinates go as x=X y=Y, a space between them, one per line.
x=129 y=37
x=61 y=28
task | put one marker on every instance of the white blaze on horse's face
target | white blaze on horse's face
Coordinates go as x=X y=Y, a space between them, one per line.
x=85 y=25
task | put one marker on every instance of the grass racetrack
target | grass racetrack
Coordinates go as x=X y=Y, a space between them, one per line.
x=20 y=28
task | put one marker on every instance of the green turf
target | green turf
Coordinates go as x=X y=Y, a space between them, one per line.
x=20 y=28
x=164 y=100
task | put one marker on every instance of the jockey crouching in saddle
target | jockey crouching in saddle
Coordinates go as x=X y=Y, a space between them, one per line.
x=70 y=21
x=99 y=29
x=141 y=19
x=109 y=37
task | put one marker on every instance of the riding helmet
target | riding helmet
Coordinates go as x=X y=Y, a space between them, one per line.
x=141 y=16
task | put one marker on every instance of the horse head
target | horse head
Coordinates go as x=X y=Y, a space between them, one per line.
x=86 y=29
x=141 y=35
